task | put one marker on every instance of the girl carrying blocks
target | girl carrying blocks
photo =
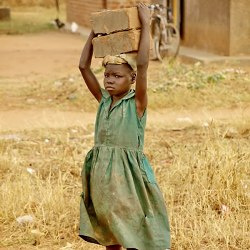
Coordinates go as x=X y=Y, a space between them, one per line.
x=121 y=203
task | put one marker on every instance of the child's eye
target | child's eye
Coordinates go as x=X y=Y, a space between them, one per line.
x=117 y=76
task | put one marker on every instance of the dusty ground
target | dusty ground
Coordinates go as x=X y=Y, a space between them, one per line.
x=46 y=59
x=51 y=55
x=39 y=56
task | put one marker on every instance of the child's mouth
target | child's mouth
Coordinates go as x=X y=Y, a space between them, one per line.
x=109 y=88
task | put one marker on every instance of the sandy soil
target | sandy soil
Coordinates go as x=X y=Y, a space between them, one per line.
x=40 y=55
x=49 y=118
x=55 y=54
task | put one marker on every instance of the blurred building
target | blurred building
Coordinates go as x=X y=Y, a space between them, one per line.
x=79 y=11
x=221 y=27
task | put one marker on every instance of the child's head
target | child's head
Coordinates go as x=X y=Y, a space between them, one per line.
x=119 y=75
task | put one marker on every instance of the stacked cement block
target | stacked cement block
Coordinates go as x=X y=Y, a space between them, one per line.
x=118 y=29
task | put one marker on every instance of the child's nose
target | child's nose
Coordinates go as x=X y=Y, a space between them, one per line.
x=110 y=80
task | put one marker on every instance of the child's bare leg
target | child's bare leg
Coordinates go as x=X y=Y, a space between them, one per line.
x=114 y=247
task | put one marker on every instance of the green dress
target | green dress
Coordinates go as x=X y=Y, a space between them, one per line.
x=121 y=203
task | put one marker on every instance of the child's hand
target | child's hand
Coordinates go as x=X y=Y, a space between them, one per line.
x=92 y=34
x=144 y=14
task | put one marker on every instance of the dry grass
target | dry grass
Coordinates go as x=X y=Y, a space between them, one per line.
x=31 y=19
x=192 y=86
x=17 y=3
x=174 y=86
x=203 y=173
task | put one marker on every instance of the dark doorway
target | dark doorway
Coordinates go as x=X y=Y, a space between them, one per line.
x=104 y=4
x=182 y=19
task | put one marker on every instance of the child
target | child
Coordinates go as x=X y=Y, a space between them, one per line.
x=121 y=203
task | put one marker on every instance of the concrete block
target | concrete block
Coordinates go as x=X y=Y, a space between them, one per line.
x=109 y=21
x=116 y=43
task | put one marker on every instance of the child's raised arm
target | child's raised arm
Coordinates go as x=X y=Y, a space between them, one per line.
x=142 y=59
x=87 y=74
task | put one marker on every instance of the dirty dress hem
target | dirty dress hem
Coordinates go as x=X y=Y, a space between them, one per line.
x=121 y=202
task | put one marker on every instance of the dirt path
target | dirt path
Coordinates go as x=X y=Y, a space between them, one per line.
x=54 y=54
x=49 y=118
x=40 y=55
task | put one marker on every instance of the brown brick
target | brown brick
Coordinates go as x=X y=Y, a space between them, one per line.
x=116 y=43
x=4 y=13
x=115 y=4
x=109 y=21
x=79 y=11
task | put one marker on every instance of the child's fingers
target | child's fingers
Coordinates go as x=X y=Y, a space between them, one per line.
x=141 y=5
x=144 y=12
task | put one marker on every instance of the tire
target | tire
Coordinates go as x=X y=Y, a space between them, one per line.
x=170 y=44
x=156 y=36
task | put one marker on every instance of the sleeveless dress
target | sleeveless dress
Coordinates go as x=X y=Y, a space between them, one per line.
x=121 y=203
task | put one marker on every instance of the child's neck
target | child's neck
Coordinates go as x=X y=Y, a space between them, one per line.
x=116 y=98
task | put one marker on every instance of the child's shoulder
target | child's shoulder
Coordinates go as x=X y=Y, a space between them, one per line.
x=105 y=93
x=130 y=94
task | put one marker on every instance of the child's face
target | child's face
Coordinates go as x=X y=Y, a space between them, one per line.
x=118 y=78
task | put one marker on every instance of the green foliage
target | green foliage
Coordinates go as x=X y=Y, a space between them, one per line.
x=15 y=27
x=28 y=20
x=13 y=3
x=215 y=78
x=190 y=77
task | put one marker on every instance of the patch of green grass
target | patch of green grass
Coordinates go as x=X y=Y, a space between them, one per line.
x=29 y=20
x=182 y=86
x=178 y=86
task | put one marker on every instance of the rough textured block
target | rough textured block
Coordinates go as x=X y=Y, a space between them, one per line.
x=116 y=43
x=109 y=21
x=4 y=13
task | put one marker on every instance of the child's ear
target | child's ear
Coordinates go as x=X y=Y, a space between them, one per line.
x=133 y=77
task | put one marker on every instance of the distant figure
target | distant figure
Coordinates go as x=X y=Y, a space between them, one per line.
x=59 y=24
x=121 y=203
